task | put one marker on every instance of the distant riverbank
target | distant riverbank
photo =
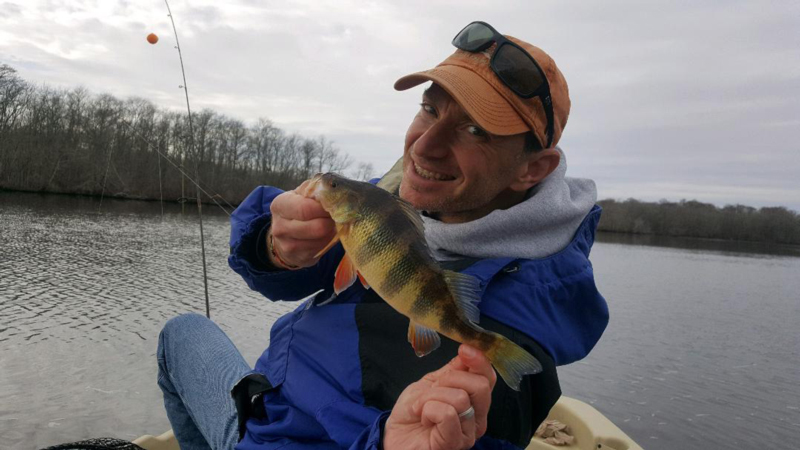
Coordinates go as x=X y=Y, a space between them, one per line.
x=685 y=219
x=190 y=199
x=690 y=218
x=75 y=141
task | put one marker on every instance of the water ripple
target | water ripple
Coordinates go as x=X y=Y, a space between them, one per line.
x=699 y=352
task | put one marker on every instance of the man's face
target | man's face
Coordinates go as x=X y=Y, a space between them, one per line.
x=454 y=168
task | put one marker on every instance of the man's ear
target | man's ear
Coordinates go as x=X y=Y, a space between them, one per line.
x=535 y=168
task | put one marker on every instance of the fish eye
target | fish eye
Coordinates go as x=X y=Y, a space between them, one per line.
x=333 y=184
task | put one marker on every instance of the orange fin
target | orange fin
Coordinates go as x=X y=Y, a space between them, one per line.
x=363 y=281
x=345 y=275
x=333 y=242
x=423 y=339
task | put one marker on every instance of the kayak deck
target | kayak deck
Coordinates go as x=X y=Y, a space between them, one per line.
x=165 y=441
x=591 y=430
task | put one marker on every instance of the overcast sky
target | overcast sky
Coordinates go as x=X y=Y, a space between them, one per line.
x=670 y=99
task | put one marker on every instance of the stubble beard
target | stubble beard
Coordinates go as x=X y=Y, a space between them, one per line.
x=450 y=204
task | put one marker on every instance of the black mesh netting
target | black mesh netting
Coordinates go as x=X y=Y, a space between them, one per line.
x=97 y=444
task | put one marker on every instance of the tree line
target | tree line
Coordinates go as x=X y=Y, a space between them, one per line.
x=74 y=141
x=695 y=219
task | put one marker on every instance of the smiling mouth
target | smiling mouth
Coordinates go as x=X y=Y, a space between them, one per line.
x=428 y=175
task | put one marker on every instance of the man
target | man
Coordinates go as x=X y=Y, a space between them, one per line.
x=481 y=165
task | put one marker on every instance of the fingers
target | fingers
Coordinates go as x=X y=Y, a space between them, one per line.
x=449 y=428
x=304 y=230
x=458 y=398
x=293 y=206
x=476 y=362
x=300 y=228
x=472 y=373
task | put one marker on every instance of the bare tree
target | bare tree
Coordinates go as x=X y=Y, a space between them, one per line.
x=74 y=141
x=364 y=172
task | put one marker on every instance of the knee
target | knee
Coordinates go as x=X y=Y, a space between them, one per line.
x=183 y=323
x=178 y=329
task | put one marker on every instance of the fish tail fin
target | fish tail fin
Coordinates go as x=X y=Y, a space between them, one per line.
x=512 y=362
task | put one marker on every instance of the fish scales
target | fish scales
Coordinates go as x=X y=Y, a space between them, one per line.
x=377 y=237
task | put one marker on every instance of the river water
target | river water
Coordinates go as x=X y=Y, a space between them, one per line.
x=701 y=351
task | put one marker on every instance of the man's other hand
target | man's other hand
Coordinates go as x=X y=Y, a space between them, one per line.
x=300 y=228
x=426 y=415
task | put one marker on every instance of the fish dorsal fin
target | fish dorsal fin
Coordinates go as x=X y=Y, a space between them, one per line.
x=466 y=292
x=345 y=275
x=423 y=339
x=391 y=181
x=412 y=214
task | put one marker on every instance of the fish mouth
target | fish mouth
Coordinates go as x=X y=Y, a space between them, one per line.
x=310 y=189
x=431 y=175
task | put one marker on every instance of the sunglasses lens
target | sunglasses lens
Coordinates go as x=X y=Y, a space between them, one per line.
x=517 y=70
x=473 y=37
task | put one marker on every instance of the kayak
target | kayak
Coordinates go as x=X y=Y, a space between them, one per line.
x=589 y=429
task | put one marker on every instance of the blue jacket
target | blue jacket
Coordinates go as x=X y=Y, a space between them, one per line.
x=332 y=373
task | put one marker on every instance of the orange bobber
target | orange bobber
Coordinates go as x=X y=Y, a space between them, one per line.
x=152 y=38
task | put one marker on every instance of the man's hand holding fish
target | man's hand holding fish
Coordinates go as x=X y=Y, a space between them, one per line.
x=300 y=229
x=470 y=256
x=430 y=414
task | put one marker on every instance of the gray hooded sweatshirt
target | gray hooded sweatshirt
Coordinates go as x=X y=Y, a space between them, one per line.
x=538 y=227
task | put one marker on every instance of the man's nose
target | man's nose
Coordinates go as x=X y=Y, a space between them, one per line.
x=435 y=142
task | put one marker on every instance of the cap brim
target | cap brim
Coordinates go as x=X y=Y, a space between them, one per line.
x=478 y=98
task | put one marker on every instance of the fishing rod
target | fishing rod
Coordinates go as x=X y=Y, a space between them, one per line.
x=194 y=150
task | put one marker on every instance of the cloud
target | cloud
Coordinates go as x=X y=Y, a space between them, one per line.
x=668 y=99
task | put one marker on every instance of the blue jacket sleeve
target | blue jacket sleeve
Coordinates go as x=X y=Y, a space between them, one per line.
x=249 y=225
x=372 y=437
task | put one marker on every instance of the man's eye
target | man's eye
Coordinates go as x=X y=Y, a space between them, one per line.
x=476 y=131
x=428 y=108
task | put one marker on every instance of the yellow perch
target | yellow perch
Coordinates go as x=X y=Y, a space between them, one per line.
x=385 y=248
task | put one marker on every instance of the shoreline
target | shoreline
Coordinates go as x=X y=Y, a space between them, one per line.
x=697 y=238
x=794 y=248
x=188 y=200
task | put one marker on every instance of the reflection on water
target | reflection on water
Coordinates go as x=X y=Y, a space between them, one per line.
x=83 y=295
x=735 y=248
x=700 y=353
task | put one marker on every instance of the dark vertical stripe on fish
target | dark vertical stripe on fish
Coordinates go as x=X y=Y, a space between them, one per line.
x=401 y=272
x=433 y=295
x=395 y=228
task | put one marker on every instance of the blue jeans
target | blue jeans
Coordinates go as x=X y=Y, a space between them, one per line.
x=197 y=367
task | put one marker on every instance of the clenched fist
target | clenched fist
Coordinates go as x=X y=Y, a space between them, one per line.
x=300 y=228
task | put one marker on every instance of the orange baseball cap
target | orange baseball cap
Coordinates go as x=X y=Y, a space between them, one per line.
x=468 y=78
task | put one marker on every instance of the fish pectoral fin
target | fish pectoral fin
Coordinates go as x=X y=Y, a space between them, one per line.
x=363 y=281
x=345 y=275
x=466 y=291
x=423 y=339
x=333 y=242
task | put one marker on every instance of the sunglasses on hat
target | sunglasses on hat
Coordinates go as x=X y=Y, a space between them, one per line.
x=515 y=67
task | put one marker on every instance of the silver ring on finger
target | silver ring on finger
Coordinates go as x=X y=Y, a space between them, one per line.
x=468 y=414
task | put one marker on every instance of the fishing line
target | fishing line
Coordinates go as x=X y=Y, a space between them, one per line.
x=105 y=177
x=160 y=189
x=179 y=168
x=192 y=147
